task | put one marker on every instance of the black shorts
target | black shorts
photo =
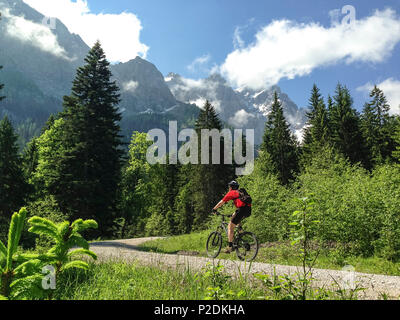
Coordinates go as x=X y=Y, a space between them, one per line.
x=240 y=214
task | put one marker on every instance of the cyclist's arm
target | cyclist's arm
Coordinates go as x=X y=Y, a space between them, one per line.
x=219 y=205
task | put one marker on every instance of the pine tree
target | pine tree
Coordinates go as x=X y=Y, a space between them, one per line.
x=377 y=127
x=280 y=144
x=208 y=182
x=88 y=168
x=30 y=161
x=316 y=134
x=346 y=127
x=396 y=139
x=12 y=184
x=1 y=87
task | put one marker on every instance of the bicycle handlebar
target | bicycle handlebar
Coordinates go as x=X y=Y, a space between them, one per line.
x=224 y=215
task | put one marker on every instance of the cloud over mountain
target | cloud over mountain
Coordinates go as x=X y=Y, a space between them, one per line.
x=119 y=33
x=286 y=49
x=38 y=35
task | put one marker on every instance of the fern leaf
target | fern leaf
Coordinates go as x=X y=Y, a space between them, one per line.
x=80 y=225
x=41 y=229
x=28 y=268
x=63 y=228
x=28 y=287
x=23 y=257
x=43 y=221
x=77 y=240
x=90 y=224
x=75 y=264
x=77 y=224
x=3 y=249
x=21 y=221
x=11 y=240
x=83 y=251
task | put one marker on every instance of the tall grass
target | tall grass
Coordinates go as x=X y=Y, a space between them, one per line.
x=122 y=281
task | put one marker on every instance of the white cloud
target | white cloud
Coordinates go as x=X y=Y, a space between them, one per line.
x=36 y=34
x=199 y=63
x=391 y=89
x=200 y=102
x=286 y=49
x=197 y=92
x=238 y=42
x=119 y=34
x=241 y=118
x=130 y=86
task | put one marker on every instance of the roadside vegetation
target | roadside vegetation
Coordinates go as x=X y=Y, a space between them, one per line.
x=121 y=281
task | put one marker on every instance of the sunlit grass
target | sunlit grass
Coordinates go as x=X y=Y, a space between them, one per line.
x=122 y=281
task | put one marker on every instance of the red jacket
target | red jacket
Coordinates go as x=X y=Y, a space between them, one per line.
x=234 y=195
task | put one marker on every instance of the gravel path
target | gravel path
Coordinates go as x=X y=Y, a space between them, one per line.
x=126 y=250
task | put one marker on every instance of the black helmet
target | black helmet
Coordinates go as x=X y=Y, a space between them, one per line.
x=234 y=185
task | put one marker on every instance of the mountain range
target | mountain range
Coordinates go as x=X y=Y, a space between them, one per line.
x=40 y=64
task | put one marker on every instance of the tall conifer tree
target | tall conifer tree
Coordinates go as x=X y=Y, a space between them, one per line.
x=280 y=144
x=89 y=168
x=316 y=134
x=378 y=127
x=1 y=87
x=207 y=182
x=346 y=127
x=12 y=182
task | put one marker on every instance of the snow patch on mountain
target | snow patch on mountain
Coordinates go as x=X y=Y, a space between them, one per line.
x=241 y=108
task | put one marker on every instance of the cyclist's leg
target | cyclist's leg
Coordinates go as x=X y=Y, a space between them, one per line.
x=231 y=229
x=240 y=214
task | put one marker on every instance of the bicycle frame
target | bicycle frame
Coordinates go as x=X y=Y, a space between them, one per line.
x=224 y=225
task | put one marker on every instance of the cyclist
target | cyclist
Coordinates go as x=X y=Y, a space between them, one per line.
x=243 y=211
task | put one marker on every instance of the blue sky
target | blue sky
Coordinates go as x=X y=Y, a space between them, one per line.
x=177 y=32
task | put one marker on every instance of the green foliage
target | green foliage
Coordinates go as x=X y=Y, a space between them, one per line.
x=65 y=236
x=271 y=204
x=15 y=277
x=219 y=282
x=304 y=227
x=396 y=141
x=135 y=187
x=21 y=273
x=46 y=207
x=130 y=281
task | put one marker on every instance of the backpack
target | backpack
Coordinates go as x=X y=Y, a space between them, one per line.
x=244 y=196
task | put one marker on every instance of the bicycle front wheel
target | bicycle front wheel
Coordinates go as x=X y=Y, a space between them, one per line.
x=214 y=244
x=246 y=246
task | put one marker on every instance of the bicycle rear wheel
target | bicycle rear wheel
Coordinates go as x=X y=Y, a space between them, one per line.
x=214 y=244
x=246 y=246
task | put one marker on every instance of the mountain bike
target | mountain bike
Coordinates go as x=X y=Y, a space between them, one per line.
x=244 y=243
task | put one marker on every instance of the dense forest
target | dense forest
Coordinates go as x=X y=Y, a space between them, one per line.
x=79 y=167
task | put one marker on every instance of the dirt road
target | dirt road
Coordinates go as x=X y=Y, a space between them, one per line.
x=127 y=250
